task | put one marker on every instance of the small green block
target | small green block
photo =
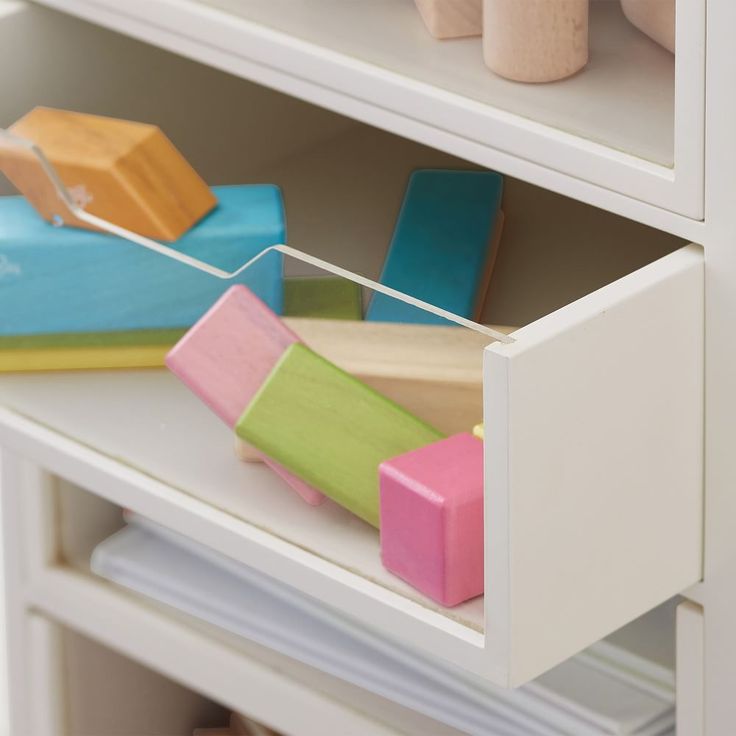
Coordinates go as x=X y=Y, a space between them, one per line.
x=323 y=297
x=330 y=429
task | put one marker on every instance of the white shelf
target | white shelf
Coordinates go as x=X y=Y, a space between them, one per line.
x=631 y=123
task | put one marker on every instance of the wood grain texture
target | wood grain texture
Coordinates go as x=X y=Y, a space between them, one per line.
x=67 y=280
x=128 y=173
x=535 y=40
x=442 y=250
x=229 y=353
x=452 y=18
x=432 y=518
x=323 y=297
x=656 y=18
x=330 y=429
x=433 y=371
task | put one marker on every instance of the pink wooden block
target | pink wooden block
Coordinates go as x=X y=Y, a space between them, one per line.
x=432 y=518
x=311 y=495
x=226 y=356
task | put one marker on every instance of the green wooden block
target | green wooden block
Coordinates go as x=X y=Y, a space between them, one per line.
x=330 y=429
x=323 y=297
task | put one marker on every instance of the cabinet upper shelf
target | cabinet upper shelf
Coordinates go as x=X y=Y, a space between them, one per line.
x=630 y=124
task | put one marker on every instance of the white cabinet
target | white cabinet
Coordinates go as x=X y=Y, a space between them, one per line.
x=594 y=411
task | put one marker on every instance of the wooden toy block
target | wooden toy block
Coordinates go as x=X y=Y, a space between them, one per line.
x=127 y=173
x=432 y=518
x=535 y=40
x=249 y=454
x=245 y=452
x=443 y=247
x=228 y=354
x=329 y=428
x=324 y=297
x=452 y=18
x=656 y=18
x=66 y=280
x=433 y=371
x=82 y=358
x=478 y=431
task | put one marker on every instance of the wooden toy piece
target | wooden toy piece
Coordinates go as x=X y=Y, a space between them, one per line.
x=245 y=452
x=228 y=354
x=452 y=18
x=442 y=251
x=249 y=454
x=432 y=518
x=535 y=40
x=656 y=18
x=82 y=358
x=433 y=371
x=127 y=173
x=329 y=428
x=326 y=297
x=478 y=431
x=65 y=280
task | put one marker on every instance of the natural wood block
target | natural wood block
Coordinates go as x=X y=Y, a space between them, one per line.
x=125 y=172
x=433 y=371
x=432 y=518
x=444 y=246
x=452 y=18
x=535 y=40
x=329 y=428
x=66 y=280
x=656 y=18
x=323 y=297
x=226 y=357
x=245 y=452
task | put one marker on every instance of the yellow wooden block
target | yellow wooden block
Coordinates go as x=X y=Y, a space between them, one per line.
x=478 y=431
x=91 y=358
x=125 y=172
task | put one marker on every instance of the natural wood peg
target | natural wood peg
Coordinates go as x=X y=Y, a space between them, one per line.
x=535 y=40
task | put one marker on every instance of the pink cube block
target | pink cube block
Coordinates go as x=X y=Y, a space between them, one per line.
x=432 y=518
x=228 y=354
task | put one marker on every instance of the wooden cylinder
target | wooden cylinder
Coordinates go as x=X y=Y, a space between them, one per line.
x=535 y=40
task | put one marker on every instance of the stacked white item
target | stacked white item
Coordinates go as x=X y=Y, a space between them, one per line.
x=604 y=691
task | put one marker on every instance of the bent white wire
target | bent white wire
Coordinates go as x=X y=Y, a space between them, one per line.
x=164 y=250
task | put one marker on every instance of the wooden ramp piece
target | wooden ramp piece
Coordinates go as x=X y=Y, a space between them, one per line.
x=330 y=429
x=444 y=246
x=127 y=173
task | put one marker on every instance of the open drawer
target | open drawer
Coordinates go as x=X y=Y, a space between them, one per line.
x=593 y=421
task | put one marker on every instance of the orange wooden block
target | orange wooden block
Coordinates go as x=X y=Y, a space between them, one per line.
x=125 y=172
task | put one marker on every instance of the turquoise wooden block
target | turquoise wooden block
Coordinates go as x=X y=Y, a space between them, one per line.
x=443 y=249
x=68 y=280
x=330 y=429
